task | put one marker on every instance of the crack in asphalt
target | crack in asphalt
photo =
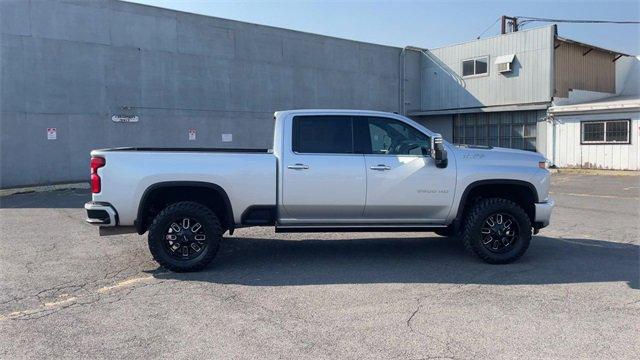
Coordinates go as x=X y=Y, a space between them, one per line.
x=413 y=315
x=68 y=294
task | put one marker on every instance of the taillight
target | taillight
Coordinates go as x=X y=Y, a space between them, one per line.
x=96 y=163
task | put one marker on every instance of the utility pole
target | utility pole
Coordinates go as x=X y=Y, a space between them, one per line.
x=511 y=21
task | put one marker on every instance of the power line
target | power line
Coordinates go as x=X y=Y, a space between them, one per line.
x=487 y=29
x=527 y=19
x=519 y=21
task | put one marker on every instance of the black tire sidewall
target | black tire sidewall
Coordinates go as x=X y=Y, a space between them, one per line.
x=161 y=223
x=484 y=209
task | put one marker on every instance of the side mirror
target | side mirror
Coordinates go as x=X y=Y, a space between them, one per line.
x=438 y=152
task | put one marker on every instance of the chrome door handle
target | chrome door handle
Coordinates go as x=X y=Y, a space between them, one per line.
x=380 y=167
x=298 y=167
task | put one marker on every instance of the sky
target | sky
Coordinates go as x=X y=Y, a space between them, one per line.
x=427 y=24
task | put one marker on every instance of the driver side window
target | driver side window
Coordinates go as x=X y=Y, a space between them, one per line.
x=392 y=137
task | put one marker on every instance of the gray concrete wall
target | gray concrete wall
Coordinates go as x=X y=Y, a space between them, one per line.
x=73 y=64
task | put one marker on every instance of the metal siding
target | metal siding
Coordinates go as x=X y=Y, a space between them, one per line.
x=571 y=153
x=530 y=81
x=594 y=71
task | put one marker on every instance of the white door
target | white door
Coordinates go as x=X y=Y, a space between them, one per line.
x=323 y=179
x=403 y=183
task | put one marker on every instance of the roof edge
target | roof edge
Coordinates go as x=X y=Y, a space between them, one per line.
x=494 y=108
x=570 y=41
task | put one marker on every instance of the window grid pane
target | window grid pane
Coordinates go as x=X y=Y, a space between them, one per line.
x=505 y=132
x=481 y=66
x=469 y=131
x=510 y=130
x=593 y=132
x=477 y=66
x=467 y=67
x=458 y=130
x=616 y=131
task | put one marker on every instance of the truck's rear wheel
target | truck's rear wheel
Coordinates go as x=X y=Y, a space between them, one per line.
x=497 y=230
x=185 y=236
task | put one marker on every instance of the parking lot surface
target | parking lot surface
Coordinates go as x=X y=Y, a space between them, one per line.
x=66 y=292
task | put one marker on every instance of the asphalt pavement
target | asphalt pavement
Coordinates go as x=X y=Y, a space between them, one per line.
x=65 y=292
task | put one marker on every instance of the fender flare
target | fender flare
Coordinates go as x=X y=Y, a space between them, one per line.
x=479 y=183
x=139 y=223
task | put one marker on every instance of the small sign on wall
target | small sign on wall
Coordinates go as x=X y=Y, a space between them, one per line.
x=192 y=134
x=227 y=137
x=125 y=119
x=52 y=133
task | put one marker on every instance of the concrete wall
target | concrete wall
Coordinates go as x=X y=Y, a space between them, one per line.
x=73 y=64
x=530 y=82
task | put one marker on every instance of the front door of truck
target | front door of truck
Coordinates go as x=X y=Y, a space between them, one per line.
x=323 y=179
x=403 y=183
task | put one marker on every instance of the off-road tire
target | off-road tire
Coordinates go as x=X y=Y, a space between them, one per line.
x=472 y=236
x=163 y=220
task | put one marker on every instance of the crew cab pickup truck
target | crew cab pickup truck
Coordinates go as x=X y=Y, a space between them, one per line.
x=328 y=171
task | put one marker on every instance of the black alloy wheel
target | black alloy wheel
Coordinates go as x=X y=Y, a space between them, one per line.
x=185 y=238
x=499 y=232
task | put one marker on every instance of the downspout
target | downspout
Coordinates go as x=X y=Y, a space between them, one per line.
x=552 y=90
x=552 y=120
x=457 y=78
x=425 y=52
x=401 y=86
x=553 y=138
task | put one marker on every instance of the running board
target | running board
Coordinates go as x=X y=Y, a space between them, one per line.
x=366 y=228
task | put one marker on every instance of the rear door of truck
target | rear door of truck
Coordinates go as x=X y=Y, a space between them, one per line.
x=324 y=180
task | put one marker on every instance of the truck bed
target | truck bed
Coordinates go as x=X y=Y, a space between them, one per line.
x=248 y=176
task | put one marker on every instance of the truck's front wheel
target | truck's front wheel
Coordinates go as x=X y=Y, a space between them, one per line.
x=185 y=236
x=497 y=230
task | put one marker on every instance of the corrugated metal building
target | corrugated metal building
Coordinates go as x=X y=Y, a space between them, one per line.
x=496 y=91
x=593 y=130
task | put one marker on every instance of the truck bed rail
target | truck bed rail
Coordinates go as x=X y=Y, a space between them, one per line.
x=188 y=149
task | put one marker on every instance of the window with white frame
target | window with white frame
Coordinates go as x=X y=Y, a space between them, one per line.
x=476 y=66
x=605 y=132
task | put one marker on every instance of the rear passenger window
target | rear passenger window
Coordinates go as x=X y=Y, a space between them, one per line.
x=322 y=134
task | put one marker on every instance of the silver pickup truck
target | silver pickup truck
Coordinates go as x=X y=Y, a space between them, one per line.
x=328 y=171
